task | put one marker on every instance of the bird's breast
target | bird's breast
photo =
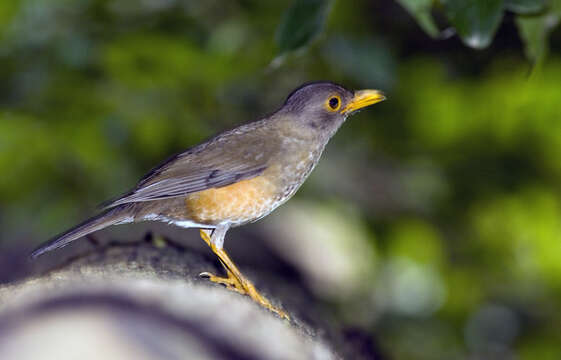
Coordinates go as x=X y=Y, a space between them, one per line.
x=251 y=199
x=237 y=203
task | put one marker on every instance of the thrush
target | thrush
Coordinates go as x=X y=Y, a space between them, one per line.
x=236 y=177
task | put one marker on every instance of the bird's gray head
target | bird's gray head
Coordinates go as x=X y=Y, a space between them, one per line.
x=322 y=107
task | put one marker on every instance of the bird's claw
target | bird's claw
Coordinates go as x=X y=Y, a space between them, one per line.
x=231 y=283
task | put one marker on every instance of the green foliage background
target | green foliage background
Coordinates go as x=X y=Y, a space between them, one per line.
x=93 y=93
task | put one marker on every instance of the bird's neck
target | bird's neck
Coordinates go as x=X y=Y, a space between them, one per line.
x=293 y=128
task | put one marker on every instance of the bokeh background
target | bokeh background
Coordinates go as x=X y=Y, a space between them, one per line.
x=433 y=221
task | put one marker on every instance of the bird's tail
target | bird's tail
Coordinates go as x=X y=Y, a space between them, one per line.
x=117 y=215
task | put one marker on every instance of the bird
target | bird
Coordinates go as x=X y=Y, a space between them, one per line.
x=235 y=178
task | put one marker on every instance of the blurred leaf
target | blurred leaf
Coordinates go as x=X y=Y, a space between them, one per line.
x=228 y=38
x=368 y=62
x=535 y=30
x=7 y=10
x=525 y=226
x=476 y=21
x=416 y=240
x=421 y=11
x=525 y=121
x=301 y=23
x=525 y=6
x=539 y=347
x=130 y=61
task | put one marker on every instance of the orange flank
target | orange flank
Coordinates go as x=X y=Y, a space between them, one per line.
x=239 y=203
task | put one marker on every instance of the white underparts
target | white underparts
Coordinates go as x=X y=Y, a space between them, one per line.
x=180 y=223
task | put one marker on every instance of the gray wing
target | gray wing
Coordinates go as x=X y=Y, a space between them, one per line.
x=224 y=160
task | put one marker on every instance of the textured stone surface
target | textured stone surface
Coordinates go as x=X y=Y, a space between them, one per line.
x=144 y=301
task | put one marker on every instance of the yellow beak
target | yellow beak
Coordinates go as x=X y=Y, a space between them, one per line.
x=362 y=99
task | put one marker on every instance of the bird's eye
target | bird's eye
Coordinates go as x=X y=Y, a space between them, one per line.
x=333 y=103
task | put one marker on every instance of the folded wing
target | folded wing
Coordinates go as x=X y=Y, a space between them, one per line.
x=222 y=161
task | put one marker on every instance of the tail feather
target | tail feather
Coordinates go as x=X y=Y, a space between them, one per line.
x=116 y=215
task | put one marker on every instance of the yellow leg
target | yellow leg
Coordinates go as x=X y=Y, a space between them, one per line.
x=235 y=280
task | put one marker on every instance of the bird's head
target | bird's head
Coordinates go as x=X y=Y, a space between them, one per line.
x=323 y=106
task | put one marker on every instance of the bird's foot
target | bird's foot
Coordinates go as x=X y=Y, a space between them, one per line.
x=230 y=282
x=244 y=287
x=236 y=281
